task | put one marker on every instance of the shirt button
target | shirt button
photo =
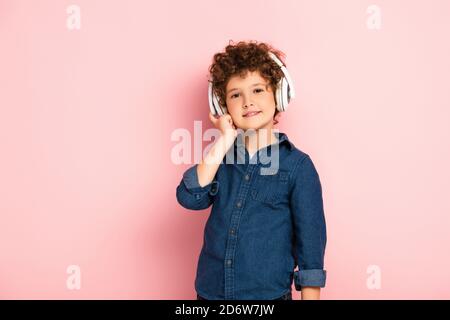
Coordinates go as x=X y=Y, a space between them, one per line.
x=228 y=262
x=239 y=204
x=247 y=177
x=232 y=231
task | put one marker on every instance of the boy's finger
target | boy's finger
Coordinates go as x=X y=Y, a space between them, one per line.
x=212 y=117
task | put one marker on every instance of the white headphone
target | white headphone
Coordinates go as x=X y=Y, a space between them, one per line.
x=284 y=92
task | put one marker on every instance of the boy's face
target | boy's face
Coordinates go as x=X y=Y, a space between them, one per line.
x=245 y=96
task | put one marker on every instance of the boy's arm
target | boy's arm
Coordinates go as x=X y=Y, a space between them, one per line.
x=207 y=168
x=310 y=293
x=310 y=229
x=198 y=185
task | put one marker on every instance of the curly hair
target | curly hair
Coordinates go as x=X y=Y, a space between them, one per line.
x=238 y=59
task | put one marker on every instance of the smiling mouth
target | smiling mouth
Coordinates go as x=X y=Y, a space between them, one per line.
x=251 y=114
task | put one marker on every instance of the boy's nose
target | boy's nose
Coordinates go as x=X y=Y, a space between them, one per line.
x=248 y=103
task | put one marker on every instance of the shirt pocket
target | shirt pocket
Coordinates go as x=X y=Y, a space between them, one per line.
x=271 y=189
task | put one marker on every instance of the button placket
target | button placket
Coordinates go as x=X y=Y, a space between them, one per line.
x=232 y=235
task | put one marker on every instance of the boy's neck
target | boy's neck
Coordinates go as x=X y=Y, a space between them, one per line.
x=260 y=139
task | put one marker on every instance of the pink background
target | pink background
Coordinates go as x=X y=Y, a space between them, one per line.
x=87 y=115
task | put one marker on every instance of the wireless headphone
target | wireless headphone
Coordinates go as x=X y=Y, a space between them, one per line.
x=284 y=92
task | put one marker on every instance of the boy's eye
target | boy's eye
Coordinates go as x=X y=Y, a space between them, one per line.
x=256 y=90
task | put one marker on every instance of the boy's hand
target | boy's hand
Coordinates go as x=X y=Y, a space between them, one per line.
x=224 y=124
x=208 y=167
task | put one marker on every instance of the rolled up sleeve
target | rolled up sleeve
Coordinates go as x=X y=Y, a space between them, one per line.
x=309 y=225
x=191 y=195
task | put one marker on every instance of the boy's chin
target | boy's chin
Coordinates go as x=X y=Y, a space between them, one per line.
x=256 y=126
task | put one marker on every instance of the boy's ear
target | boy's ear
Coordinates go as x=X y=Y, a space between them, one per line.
x=276 y=117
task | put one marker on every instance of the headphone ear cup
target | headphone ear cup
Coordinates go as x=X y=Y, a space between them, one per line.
x=284 y=93
x=279 y=100
x=217 y=106
x=211 y=97
x=285 y=89
x=214 y=105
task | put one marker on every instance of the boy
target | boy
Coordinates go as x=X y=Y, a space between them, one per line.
x=261 y=225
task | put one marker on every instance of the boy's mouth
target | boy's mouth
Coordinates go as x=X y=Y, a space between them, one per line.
x=251 y=114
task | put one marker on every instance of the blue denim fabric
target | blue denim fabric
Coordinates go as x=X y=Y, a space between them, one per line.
x=261 y=225
x=287 y=296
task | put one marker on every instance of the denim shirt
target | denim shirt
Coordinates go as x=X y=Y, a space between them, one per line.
x=261 y=226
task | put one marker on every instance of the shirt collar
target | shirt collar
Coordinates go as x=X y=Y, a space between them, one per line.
x=283 y=139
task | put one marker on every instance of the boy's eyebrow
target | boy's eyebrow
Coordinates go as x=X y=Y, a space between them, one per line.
x=253 y=85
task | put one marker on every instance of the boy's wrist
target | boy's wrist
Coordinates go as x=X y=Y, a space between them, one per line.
x=229 y=134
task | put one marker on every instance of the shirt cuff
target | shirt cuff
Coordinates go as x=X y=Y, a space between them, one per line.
x=309 y=278
x=190 y=179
